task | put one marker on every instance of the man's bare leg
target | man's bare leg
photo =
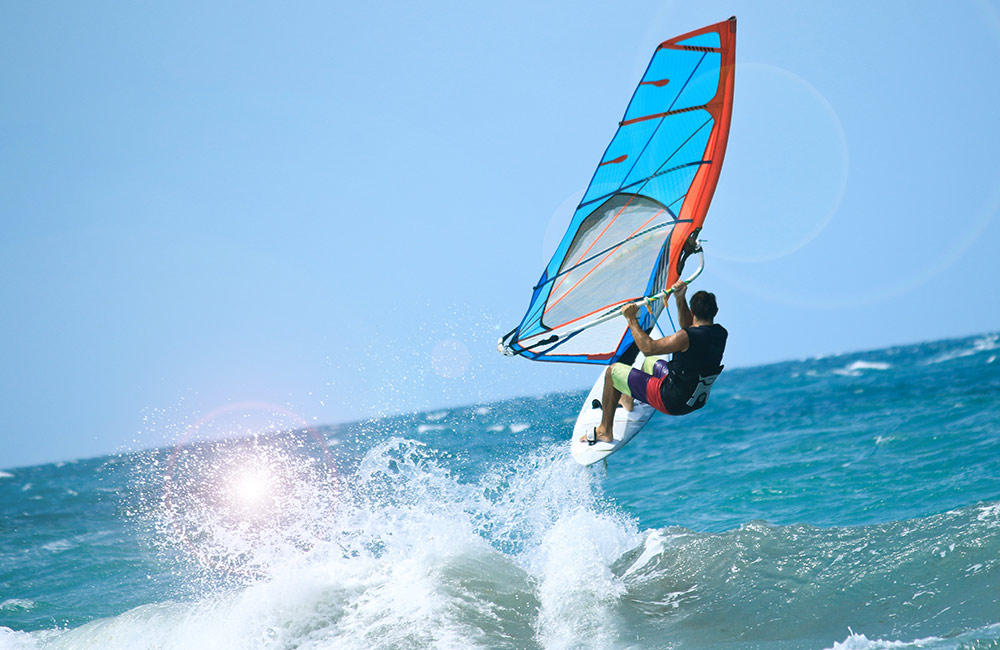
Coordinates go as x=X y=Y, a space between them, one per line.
x=609 y=402
x=627 y=402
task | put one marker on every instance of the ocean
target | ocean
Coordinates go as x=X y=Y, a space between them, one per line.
x=847 y=502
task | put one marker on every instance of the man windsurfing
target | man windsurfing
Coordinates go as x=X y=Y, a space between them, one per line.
x=675 y=387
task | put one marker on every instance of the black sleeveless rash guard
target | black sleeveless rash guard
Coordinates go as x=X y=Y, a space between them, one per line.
x=692 y=372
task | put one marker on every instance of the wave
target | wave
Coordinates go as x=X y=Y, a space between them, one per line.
x=771 y=584
x=530 y=554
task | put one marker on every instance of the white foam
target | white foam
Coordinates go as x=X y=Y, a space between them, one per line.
x=518 y=428
x=652 y=547
x=424 y=428
x=972 y=638
x=58 y=546
x=11 y=640
x=578 y=591
x=17 y=603
x=861 y=642
x=987 y=343
x=481 y=410
x=856 y=368
x=4 y=474
x=989 y=513
x=434 y=417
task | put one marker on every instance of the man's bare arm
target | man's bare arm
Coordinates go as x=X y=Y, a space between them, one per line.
x=677 y=342
x=684 y=316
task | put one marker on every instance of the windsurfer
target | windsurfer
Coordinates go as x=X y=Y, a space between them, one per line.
x=675 y=387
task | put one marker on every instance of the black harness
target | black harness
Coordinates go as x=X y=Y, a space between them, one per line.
x=693 y=371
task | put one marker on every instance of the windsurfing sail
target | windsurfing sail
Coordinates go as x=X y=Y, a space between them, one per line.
x=640 y=217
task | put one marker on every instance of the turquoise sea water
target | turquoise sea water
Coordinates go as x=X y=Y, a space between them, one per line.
x=851 y=501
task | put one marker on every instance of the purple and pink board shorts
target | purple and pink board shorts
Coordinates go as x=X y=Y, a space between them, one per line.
x=644 y=385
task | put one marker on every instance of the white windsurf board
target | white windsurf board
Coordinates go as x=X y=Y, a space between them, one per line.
x=627 y=425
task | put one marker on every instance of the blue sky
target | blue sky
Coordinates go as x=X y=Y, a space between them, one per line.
x=336 y=209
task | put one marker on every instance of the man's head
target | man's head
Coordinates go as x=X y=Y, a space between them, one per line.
x=703 y=306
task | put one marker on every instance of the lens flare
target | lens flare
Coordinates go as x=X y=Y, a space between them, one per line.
x=234 y=502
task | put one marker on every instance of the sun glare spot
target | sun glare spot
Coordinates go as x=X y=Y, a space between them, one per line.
x=251 y=487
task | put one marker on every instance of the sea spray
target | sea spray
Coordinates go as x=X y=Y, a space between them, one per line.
x=238 y=507
x=410 y=556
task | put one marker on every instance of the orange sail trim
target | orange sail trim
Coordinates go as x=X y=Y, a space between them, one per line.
x=705 y=181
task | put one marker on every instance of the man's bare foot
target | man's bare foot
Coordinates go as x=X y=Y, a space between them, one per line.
x=627 y=401
x=599 y=434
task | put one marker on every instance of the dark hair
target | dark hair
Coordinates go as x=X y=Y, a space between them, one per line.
x=703 y=306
